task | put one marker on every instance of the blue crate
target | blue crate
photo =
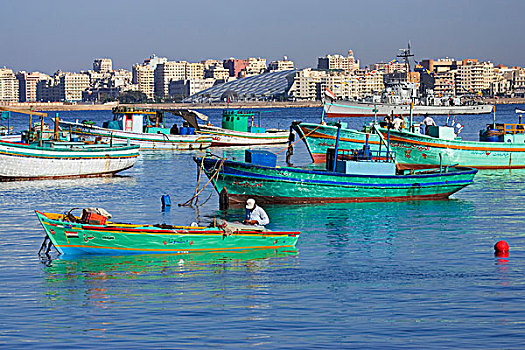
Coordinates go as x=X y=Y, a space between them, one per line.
x=264 y=158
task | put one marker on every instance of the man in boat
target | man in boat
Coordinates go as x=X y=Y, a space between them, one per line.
x=255 y=215
x=398 y=122
x=427 y=122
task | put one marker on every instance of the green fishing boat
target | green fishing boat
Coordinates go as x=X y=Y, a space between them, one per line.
x=93 y=234
x=352 y=177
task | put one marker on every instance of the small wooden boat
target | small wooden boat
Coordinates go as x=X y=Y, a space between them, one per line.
x=349 y=179
x=239 y=128
x=48 y=154
x=92 y=234
x=142 y=127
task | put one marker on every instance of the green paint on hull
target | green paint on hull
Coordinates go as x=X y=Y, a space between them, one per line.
x=293 y=185
x=116 y=239
x=416 y=151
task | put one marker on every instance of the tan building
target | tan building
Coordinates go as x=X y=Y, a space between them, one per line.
x=103 y=65
x=144 y=78
x=217 y=72
x=165 y=73
x=8 y=86
x=304 y=86
x=474 y=77
x=255 y=66
x=194 y=71
x=72 y=85
x=27 y=83
x=347 y=64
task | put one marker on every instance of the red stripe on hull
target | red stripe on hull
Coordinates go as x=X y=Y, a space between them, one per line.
x=239 y=200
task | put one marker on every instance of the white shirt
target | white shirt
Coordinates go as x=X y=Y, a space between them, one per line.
x=429 y=121
x=397 y=123
x=258 y=214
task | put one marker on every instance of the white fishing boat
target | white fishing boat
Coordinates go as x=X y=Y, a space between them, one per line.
x=239 y=128
x=141 y=127
x=50 y=154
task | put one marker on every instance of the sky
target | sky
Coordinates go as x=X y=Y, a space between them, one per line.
x=68 y=35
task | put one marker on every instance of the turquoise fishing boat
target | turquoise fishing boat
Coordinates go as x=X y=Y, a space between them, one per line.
x=239 y=128
x=93 y=234
x=352 y=177
x=500 y=145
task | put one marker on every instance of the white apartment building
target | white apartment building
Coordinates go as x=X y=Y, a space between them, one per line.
x=153 y=61
x=281 y=65
x=144 y=78
x=72 y=85
x=445 y=83
x=165 y=73
x=103 y=65
x=27 y=83
x=304 y=86
x=189 y=87
x=255 y=66
x=217 y=72
x=330 y=62
x=474 y=76
x=8 y=86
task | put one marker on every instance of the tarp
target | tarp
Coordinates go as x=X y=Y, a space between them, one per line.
x=190 y=116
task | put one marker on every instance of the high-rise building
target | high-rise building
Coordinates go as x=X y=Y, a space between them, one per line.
x=144 y=78
x=153 y=61
x=72 y=85
x=27 y=83
x=8 y=86
x=474 y=77
x=194 y=71
x=103 y=65
x=165 y=73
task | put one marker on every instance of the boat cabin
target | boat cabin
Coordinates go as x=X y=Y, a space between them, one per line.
x=143 y=121
x=240 y=120
x=361 y=161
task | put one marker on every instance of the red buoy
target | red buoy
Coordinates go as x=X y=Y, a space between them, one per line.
x=501 y=247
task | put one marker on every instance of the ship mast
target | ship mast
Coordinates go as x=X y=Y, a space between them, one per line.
x=405 y=55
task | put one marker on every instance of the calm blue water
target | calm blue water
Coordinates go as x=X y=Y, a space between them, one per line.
x=415 y=275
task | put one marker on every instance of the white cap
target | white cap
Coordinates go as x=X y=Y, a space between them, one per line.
x=250 y=204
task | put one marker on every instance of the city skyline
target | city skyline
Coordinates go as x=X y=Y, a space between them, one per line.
x=45 y=37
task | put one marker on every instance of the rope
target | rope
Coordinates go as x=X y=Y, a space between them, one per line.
x=290 y=145
x=215 y=174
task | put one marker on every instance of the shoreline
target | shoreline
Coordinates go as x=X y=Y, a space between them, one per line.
x=220 y=105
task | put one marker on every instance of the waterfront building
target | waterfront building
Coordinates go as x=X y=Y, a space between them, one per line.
x=330 y=62
x=389 y=67
x=103 y=65
x=255 y=66
x=217 y=72
x=305 y=82
x=445 y=83
x=27 y=82
x=166 y=72
x=153 y=61
x=72 y=85
x=194 y=71
x=235 y=66
x=518 y=81
x=187 y=87
x=8 y=86
x=474 y=77
x=280 y=65
x=144 y=78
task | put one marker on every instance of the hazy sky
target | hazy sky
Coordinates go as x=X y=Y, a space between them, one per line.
x=47 y=35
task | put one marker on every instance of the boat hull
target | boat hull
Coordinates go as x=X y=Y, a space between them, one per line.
x=225 y=137
x=144 y=140
x=27 y=162
x=298 y=186
x=415 y=151
x=115 y=239
x=341 y=109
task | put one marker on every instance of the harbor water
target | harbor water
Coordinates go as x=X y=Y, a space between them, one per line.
x=407 y=275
